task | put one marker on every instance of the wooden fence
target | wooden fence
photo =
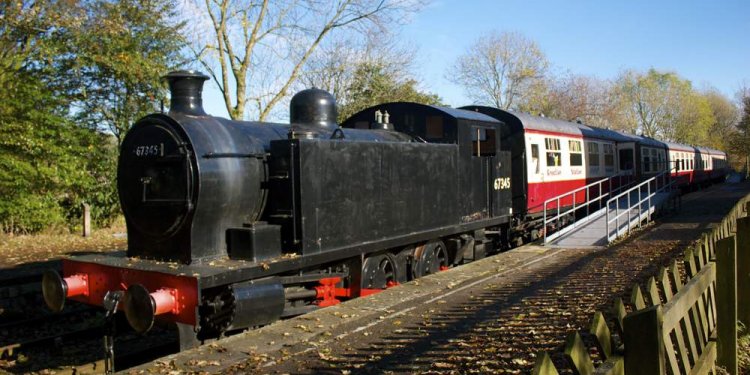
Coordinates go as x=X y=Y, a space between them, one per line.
x=675 y=327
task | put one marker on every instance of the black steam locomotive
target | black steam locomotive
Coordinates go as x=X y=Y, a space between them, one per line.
x=235 y=224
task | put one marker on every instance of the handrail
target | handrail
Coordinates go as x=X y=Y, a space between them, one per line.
x=666 y=182
x=587 y=201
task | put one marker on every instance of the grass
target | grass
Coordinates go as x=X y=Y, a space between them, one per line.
x=743 y=351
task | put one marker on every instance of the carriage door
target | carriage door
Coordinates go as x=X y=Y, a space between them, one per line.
x=484 y=146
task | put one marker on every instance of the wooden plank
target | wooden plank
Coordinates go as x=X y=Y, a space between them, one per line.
x=612 y=366
x=690 y=294
x=710 y=303
x=578 y=355
x=665 y=283
x=669 y=350
x=653 y=291
x=705 y=363
x=600 y=330
x=691 y=269
x=675 y=275
x=743 y=270
x=726 y=305
x=544 y=365
x=690 y=325
x=702 y=323
x=636 y=298
x=618 y=310
x=666 y=286
x=711 y=245
x=702 y=256
x=86 y=220
x=644 y=344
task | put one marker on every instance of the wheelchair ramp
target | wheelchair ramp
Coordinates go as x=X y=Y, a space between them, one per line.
x=595 y=231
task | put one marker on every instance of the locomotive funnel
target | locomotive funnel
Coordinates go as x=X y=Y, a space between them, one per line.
x=313 y=107
x=186 y=87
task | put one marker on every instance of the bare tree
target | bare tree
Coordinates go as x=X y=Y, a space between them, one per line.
x=333 y=66
x=573 y=98
x=257 y=49
x=499 y=69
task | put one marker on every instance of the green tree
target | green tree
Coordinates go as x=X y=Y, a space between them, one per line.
x=372 y=84
x=42 y=158
x=725 y=116
x=695 y=120
x=124 y=47
x=740 y=144
x=75 y=75
x=663 y=105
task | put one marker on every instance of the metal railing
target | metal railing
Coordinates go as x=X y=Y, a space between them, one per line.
x=563 y=209
x=654 y=185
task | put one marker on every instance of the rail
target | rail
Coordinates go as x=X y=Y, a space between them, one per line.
x=563 y=208
x=660 y=182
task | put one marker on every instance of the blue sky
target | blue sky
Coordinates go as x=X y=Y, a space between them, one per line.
x=707 y=42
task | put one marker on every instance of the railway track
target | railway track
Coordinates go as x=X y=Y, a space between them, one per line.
x=79 y=349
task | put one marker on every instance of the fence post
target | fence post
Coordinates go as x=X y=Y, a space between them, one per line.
x=644 y=342
x=726 y=305
x=86 y=220
x=743 y=270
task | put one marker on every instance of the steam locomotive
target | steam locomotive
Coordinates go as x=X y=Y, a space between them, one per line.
x=235 y=224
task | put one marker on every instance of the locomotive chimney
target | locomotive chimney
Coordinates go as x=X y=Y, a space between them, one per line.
x=313 y=106
x=185 y=87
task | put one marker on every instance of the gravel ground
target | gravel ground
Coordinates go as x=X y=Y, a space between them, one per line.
x=25 y=250
x=498 y=326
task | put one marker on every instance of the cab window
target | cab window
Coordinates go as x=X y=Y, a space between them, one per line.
x=483 y=141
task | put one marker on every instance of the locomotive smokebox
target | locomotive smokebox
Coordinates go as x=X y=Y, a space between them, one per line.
x=313 y=107
x=186 y=88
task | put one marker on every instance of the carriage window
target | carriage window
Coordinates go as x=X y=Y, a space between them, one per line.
x=653 y=160
x=535 y=158
x=593 y=154
x=553 y=152
x=661 y=160
x=646 y=160
x=576 y=155
x=483 y=141
x=609 y=156
x=626 y=159
x=434 y=127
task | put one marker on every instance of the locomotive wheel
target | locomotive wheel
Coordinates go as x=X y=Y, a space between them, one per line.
x=379 y=271
x=429 y=258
